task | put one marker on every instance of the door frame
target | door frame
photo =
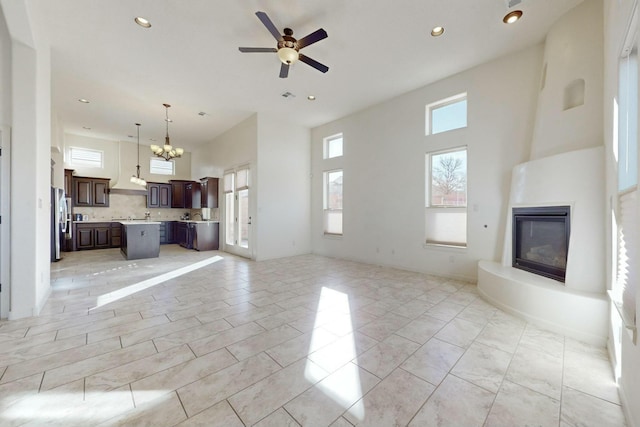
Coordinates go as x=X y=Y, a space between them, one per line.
x=236 y=249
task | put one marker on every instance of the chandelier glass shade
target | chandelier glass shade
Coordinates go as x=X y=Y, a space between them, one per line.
x=167 y=151
x=136 y=178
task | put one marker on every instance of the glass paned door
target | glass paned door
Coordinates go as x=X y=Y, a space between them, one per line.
x=237 y=215
x=244 y=220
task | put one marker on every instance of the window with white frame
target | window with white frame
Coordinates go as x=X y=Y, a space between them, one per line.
x=229 y=187
x=446 y=114
x=333 y=202
x=333 y=146
x=446 y=197
x=86 y=157
x=162 y=167
x=626 y=209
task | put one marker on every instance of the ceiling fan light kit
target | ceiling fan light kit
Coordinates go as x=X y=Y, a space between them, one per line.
x=288 y=47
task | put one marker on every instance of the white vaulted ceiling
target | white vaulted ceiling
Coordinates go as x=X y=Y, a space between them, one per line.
x=189 y=58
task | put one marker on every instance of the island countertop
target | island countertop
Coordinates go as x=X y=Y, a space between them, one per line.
x=138 y=222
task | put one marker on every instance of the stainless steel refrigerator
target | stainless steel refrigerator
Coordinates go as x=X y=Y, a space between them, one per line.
x=60 y=221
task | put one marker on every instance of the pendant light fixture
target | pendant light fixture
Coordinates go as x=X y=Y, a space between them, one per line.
x=167 y=152
x=136 y=178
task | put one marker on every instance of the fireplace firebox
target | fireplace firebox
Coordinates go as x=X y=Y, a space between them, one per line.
x=541 y=240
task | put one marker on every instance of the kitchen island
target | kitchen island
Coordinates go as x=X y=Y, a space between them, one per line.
x=140 y=239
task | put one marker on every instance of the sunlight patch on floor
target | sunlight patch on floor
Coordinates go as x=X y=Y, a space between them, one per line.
x=344 y=387
x=53 y=407
x=146 y=284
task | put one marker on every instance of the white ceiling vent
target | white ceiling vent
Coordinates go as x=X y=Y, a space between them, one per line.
x=512 y=3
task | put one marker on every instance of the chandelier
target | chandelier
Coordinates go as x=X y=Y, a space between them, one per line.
x=167 y=152
x=136 y=178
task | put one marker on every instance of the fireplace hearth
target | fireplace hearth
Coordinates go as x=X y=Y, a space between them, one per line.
x=541 y=240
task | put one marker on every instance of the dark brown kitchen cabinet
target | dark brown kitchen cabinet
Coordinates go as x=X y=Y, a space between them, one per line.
x=96 y=235
x=116 y=234
x=192 y=195
x=209 y=188
x=166 y=232
x=68 y=182
x=82 y=192
x=159 y=195
x=102 y=236
x=92 y=192
x=177 y=193
x=185 y=194
x=84 y=238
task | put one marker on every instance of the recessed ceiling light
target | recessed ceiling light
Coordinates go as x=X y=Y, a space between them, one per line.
x=512 y=17
x=202 y=113
x=437 y=31
x=152 y=139
x=168 y=120
x=311 y=98
x=143 y=22
x=86 y=127
x=84 y=101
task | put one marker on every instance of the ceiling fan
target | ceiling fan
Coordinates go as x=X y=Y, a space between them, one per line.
x=288 y=47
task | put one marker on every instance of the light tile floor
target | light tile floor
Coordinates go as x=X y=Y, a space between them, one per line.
x=209 y=339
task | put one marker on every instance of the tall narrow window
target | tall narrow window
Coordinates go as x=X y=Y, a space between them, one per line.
x=86 y=157
x=242 y=207
x=626 y=213
x=333 y=202
x=230 y=216
x=446 y=198
x=333 y=146
x=447 y=114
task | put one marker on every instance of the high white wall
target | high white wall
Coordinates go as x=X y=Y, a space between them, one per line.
x=573 y=51
x=5 y=165
x=384 y=168
x=283 y=200
x=626 y=354
x=278 y=154
x=236 y=147
x=120 y=160
x=30 y=160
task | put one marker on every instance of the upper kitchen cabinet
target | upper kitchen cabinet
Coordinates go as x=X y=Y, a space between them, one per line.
x=177 y=193
x=68 y=182
x=158 y=195
x=90 y=192
x=192 y=196
x=209 y=188
x=185 y=194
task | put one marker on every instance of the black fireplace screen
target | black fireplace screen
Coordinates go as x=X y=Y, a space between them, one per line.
x=541 y=240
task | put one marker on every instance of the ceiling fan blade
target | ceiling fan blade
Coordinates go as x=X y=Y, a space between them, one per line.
x=284 y=70
x=258 y=49
x=267 y=23
x=316 y=36
x=315 y=64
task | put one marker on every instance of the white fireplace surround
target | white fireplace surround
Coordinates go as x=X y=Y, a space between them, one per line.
x=577 y=308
